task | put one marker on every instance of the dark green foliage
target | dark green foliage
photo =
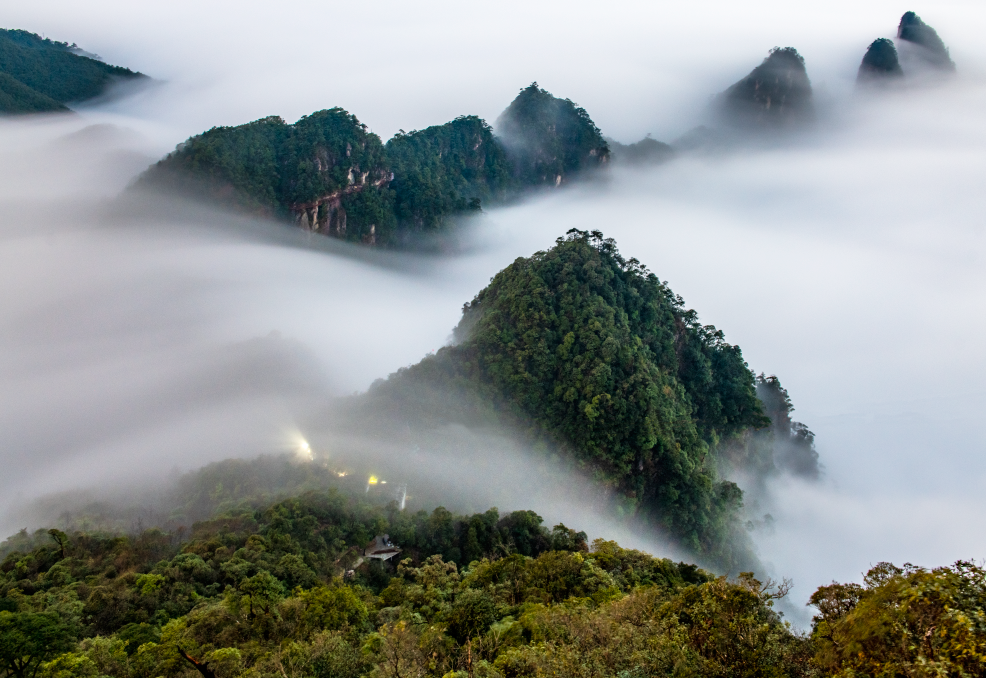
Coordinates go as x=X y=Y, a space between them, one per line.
x=446 y=169
x=326 y=153
x=794 y=443
x=786 y=446
x=912 y=29
x=880 y=61
x=16 y=97
x=27 y=639
x=37 y=74
x=597 y=358
x=225 y=595
x=903 y=621
x=549 y=139
x=326 y=171
x=330 y=175
x=775 y=93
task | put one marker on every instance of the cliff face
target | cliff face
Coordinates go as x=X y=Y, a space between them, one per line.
x=548 y=139
x=777 y=93
x=327 y=172
x=40 y=75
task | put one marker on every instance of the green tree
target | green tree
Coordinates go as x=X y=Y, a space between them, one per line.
x=27 y=639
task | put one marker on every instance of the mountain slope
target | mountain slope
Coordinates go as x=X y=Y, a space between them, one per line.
x=600 y=363
x=38 y=74
x=549 y=139
x=330 y=174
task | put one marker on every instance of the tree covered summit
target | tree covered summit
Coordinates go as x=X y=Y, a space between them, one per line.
x=328 y=173
x=601 y=363
x=548 y=139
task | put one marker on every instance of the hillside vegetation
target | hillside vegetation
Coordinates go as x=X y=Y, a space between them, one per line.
x=40 y=75
x=330 y=174
x=599 y=362
x=282 y=590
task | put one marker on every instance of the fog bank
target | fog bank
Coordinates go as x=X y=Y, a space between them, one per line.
x=848 y=262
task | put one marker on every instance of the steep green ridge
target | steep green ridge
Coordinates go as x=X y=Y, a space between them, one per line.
x=329 y=174
x=446 y=169
x=596 y=358
x=38 y=74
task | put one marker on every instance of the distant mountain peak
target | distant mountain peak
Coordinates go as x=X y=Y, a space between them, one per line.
x=913 y=30
x=776 y=93
x=880 y=62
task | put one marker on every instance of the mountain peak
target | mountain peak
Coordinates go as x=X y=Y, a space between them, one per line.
x=775 y=93
x=914 y=30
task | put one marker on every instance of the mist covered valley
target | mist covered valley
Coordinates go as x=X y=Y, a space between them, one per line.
x=144 y=337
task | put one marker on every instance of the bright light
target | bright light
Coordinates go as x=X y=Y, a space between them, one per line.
x=304 y=450
x=373 y=480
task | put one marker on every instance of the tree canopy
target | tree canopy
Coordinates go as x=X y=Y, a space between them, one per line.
x=330 y=174
x=594 y=356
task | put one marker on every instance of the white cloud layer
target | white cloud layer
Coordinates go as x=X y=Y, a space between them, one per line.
x=850 y=263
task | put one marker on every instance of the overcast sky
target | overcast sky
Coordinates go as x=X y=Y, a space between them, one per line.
x=850 y=263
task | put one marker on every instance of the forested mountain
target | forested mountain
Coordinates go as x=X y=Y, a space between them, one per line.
x=911 y=29
x=600 y=362
x=447 y=169
x=329 y=174
x=920 y=43
x=647 y=151
x=777 y=93
x=39 y=75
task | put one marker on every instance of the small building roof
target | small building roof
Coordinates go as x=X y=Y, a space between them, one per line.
x=381 y=548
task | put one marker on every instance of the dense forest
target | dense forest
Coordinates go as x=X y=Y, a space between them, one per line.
x=287 y=587
x=330 y=174
x=40 y=75
x=597 y=361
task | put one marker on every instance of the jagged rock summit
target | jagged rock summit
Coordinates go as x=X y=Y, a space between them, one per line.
x=933 y=51
x=880 y=63
x=777 y=93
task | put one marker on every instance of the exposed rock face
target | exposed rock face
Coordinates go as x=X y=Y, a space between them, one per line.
x=548 y=139
x=777 y=93
x=915 y=31
x=880 y=63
